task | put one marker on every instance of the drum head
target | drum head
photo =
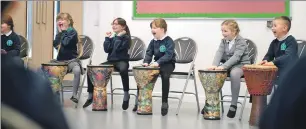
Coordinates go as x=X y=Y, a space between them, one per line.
x=54 y=64
x=146 y=68
x=100 y=66
x=212 y=71
x=259 y=67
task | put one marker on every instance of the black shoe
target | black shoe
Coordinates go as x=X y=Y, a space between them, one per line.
x=231 y=114
x=135 y=108
x=164 y=109
x=202 y=111
x=87 y=103
x=75 y=100
x=125 y=104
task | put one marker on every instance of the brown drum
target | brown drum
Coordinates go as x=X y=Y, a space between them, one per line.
x=99 y=76
x=55 y=73
x=212 y=82
x=259 y=80
x=145 y=78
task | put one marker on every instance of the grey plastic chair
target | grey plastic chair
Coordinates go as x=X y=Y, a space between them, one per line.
x=88 y=49
x=186 y=51
x=24 y=50
x=137 y=52
x=252 y=48
x=301 y=48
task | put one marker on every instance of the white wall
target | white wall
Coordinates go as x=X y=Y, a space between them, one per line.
x=207 y=34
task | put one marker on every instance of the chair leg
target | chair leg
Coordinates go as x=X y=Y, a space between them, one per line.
x=221 y=94
x=196 y=92
x=112 y=94
x=243 y=104
x=182 y=96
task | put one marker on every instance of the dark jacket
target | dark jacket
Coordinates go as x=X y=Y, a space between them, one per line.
x=68 y=39
x=163 y=51
x=30 y=94
x=287 y=107
x=282 y=53
x=11 y=44
x=117 y=48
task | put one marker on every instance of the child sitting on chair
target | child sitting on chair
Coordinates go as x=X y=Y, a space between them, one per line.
x=10 y=41
x=233 y=53
x=162 y=48
x=117 y=45
x=282 y=50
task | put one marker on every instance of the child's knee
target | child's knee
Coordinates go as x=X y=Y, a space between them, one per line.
x=76 y=70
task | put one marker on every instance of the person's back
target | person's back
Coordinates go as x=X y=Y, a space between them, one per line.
x=287 y=108
x=31 y=95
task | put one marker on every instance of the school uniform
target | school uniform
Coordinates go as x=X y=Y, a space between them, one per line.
x=117 y=48
x=163 y=52
x=282 y=52
x=232 y=55
x=11 y=43
x=66 y=42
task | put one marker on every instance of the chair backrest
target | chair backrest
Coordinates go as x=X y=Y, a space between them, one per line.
x=185 y=50
x=252 y=50
x=24 y=47
x=137 y=49
x=88 y=47
x=301 y=48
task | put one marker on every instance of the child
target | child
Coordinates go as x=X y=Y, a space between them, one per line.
x=282 y=50
x=116 y=45
x=69 y=48
x=233 y=53
x=162 y=48
x=10 y=41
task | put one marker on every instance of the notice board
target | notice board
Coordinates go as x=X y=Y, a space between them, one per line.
x=211 y=8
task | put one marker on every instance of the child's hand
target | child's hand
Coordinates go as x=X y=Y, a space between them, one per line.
x=262 y=62
x=269 y=64
x=219 y=68
x=212 y=67
x=155 y=64
x=3 y=51
x=122 y=33
x=145 y=64
x=108 y=34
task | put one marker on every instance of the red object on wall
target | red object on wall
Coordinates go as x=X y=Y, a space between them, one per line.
x=268 y=6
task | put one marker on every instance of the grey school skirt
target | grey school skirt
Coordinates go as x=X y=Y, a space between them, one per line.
x=71 y=64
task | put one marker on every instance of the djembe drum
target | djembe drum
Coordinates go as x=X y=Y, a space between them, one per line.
x=145 y=78
x=99 y=76
x=212 y=82
x=55 y=72
x=259 y=80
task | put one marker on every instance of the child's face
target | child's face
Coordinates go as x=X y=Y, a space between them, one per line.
x=157 y=32
x=5 y=28
x=279 y=28
x=63 y=23
x=117 y=28
x=227 y=32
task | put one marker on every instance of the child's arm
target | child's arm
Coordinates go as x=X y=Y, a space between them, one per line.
x=149 y=53
x=122 y=42
x=57 y=40
x=241 y=47
x=108 y=46
x=16 y=46
x=168 y=54
x=270 y=54
x=219 y=54
x=290 y=51
x=69 y=35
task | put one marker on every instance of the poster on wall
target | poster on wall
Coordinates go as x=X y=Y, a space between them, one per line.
x=210 y=8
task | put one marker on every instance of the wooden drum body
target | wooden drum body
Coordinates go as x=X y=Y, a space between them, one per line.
x=99 y=76
x=259 y=80
x=145 y=78
x=212 y=82
x=55 y=73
